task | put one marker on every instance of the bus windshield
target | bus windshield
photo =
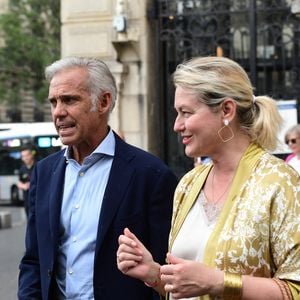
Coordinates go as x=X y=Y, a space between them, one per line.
x=42 y=137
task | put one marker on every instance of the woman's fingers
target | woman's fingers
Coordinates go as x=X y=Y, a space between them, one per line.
x=124 y=240
x=130 y=239
x=166 y=270
x=135 y=242
x=126 y=247
x=125 y=265
x=127 y=256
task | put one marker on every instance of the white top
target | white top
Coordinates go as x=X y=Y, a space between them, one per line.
x=192 y=238
x=295 y=163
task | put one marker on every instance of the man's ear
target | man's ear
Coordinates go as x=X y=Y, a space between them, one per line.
x=104 y=102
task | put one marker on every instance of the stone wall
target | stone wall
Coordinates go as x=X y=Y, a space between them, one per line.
x=96 y=29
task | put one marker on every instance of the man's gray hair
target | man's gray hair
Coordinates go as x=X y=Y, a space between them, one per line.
x=100 y=78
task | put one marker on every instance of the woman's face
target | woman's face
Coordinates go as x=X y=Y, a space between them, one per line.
x=293 y=141
x=196 y=123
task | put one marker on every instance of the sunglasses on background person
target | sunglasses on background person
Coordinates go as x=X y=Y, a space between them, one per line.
x=293 y=141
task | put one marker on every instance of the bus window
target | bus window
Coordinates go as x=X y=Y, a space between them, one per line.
x=10 y=162
x=46 y=145
x=44 y=140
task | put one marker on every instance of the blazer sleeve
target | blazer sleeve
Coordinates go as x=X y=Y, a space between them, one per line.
x=29 y=275
x=160 y=214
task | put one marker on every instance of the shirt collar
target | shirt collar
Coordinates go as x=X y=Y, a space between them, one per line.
x=106 y=147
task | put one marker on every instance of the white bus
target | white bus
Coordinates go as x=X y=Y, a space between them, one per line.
x=7 y=126
x=41 y=136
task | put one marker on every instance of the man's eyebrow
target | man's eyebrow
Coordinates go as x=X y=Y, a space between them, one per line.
x=50 y=99
x=64 y=97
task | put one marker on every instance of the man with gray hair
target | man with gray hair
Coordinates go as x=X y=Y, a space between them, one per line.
x=83 y=197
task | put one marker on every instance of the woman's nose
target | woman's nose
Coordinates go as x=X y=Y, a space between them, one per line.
x=178 y=125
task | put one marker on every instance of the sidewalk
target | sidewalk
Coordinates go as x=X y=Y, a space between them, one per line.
x=11 y=249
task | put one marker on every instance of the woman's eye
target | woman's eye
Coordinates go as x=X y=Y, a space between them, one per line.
x=186 y=113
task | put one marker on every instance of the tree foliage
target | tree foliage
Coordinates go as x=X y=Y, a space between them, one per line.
x=31 y=40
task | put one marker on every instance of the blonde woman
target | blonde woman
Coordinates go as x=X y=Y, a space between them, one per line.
x=235 y=230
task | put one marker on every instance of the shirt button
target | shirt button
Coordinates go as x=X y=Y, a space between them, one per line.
x=81 y=174
x=74 y=239
x=77 y=206
x=70 y=271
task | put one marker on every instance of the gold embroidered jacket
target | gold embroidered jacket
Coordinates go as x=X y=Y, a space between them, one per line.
x=258 y=230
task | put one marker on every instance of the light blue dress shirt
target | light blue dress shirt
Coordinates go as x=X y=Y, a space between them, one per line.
x=82 y=199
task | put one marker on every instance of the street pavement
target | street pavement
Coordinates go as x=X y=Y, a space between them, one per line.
x=11 y=251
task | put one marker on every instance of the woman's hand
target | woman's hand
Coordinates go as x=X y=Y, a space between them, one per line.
x=135 y=260
x=186 y=278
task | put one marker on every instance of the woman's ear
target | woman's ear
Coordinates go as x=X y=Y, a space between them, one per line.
x=229 y=108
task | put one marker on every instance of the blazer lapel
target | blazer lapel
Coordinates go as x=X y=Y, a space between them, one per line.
x=119 y=179
x=55 y=199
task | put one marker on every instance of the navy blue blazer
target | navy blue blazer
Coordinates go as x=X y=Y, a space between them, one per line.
x=139 y=195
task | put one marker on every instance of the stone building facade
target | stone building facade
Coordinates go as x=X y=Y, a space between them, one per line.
x=117 y=32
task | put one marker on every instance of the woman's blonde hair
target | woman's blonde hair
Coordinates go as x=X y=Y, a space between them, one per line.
x=214 y=79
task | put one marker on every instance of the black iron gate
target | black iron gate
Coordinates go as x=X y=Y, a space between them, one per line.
x=263 y=36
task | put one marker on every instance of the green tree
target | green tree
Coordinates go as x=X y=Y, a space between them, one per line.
x=31 y=40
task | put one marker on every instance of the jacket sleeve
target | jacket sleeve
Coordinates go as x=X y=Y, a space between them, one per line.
x=29 y=276
x=160 y=213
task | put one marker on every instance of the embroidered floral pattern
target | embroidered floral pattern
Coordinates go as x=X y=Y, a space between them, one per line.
x=260 y=235
x=263 y=222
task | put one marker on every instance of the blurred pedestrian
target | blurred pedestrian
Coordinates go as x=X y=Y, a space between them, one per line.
x=28 y=159
x=81 y=198
x=201 y=160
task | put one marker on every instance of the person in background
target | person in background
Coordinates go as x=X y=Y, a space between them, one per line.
x=28 y=159
x=197 y=161
x=235 y=228
x=201 y=160
x=82 y=197
x=292 y=139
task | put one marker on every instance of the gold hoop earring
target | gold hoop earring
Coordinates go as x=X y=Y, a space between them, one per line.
x=223 y=136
